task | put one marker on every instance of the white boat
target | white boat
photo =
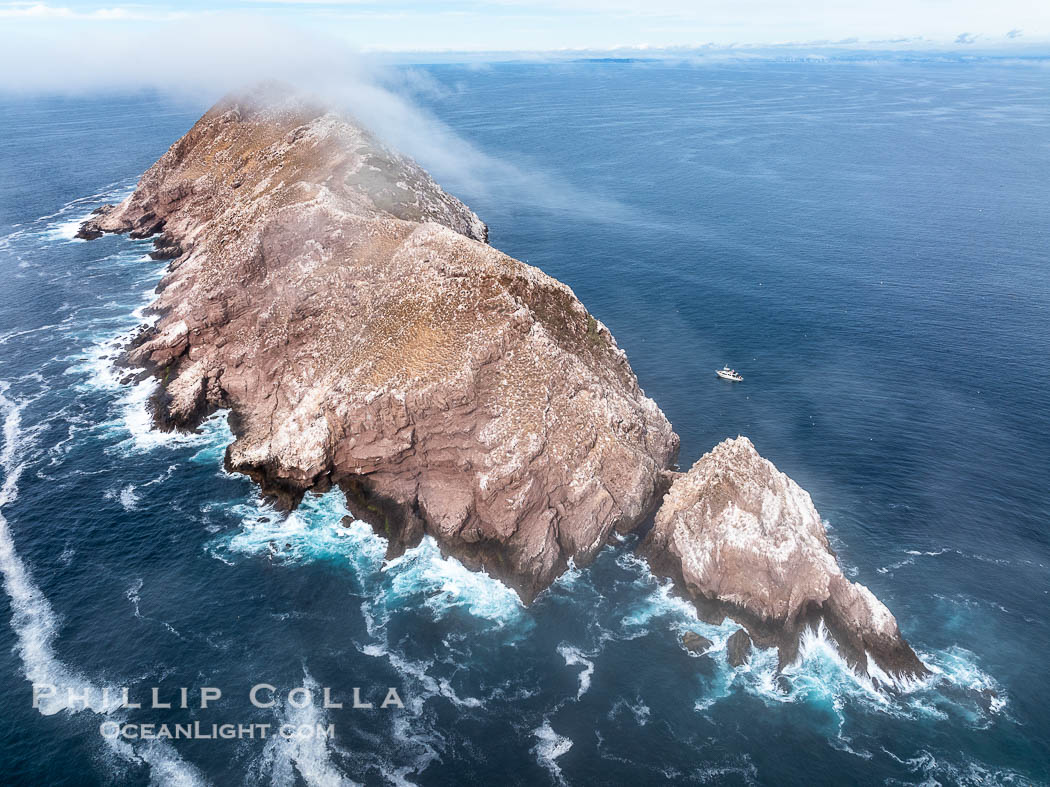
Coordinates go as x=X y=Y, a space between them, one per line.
x=729 y=374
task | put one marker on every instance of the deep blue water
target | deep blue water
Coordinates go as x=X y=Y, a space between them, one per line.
x=869 y=246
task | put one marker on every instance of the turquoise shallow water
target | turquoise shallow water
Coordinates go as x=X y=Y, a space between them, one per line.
x=868 y=245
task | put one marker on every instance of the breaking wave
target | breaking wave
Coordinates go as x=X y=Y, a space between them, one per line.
x=134 y=424
x=959 y=689
x=323 y=529
x=445 y=584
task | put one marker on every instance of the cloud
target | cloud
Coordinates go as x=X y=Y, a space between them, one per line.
x=965 y=38
x=1015 y=33
x=43 y=11
x=551 y=25
x=200 y=55
x=200 y=62
x=195 y=54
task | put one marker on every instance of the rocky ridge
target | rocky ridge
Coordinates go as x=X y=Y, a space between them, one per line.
x=742 y=540
x=350 y=315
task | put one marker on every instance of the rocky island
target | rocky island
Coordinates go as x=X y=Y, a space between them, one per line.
x=742 y=540
x=351 y=317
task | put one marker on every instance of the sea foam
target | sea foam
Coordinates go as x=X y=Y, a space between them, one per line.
x=311 y=757
x=549 y=747
x=35 y=625
x=575 y=657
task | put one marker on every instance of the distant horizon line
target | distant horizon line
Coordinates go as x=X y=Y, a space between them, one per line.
x=812 y=51
x=125 y=64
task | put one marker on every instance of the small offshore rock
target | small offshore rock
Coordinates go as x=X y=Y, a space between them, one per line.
x=742 y=540
x=738 y=649
x=696 y=643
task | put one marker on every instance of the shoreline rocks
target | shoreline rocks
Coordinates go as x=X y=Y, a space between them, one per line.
x=90 y=229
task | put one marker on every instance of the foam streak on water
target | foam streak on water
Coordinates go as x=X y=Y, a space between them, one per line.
x=302 y=754
x=549 y=747
x=574 y=657
x=36 y=626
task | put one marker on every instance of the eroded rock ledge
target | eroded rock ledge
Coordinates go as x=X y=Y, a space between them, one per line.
x=350 y=315
x=742 y=540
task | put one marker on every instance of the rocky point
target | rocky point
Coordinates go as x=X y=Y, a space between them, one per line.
x=742 y=540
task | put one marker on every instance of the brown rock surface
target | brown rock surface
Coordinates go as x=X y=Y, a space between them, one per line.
x=350 y=315
x=695 y=643
x=741 y=539
x=738 y=648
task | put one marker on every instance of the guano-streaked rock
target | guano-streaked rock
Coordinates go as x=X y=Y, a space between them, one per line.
x=743 y=540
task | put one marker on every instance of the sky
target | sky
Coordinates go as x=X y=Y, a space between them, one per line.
x=204 y=49
x=554 y=25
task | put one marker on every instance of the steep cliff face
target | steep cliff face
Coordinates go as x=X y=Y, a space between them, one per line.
x=743 y=540
x=349 y=314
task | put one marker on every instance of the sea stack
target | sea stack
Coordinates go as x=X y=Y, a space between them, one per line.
x=742 y=540
x=350 y=315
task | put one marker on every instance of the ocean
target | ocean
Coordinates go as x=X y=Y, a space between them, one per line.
x=867 y=243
